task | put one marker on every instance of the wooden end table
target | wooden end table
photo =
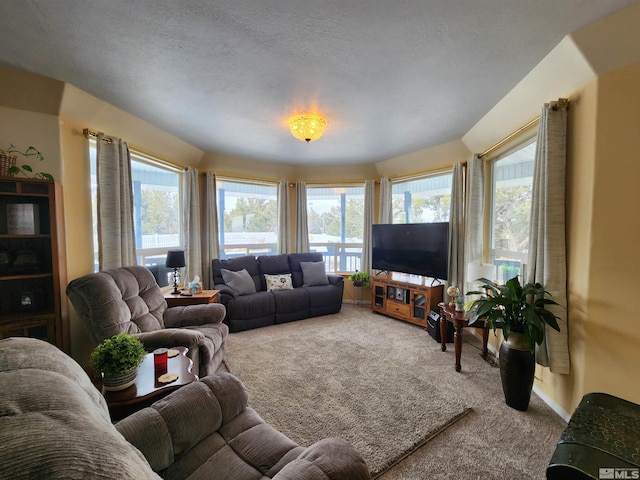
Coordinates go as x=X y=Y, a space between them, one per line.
x=205 y=296
x=459 y=321
x=147 y=389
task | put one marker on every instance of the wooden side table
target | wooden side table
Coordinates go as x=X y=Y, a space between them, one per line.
x=459 y=321
x=205 y=296
x=147 y=389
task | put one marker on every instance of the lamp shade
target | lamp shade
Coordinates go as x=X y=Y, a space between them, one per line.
x=307 y=127
x=476 y=271
x=175 y=259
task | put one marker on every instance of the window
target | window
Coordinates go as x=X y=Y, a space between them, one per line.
x=511 y=189
x=422 y=200
x=157 y=209
x=336 y=224
x=247 y=218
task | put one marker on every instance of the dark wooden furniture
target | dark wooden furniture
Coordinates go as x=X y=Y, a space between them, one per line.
x=459 y=320
x=147 y=388
x=602 y=440
x=205 y=296
x=33 y=261
x=405 y=297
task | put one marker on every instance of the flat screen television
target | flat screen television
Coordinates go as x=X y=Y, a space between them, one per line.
x=414 y=248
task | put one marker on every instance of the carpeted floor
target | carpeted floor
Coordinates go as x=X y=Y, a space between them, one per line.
x=493 y=441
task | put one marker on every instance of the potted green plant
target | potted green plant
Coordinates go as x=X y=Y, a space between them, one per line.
x=9 y=157
x=520 y=311
x=360 y=279
x=118 y=358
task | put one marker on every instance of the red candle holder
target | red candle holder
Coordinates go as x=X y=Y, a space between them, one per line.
x=160 y=358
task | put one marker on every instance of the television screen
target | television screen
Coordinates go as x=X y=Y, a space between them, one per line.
x=415 y=248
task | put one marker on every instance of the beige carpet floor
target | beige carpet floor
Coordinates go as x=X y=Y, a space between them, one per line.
x=493 y=441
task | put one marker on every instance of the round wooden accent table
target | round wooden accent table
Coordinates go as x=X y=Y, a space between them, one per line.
x=147 y=388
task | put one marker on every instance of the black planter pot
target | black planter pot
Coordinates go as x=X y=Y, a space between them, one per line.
x=517 y=367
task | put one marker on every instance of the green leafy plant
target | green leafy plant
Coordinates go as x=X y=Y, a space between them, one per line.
x=26 y=169
x=360 y=278
x=117 y=354
x=515 y=308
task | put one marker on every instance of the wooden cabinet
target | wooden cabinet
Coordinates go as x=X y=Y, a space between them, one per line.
x=32 y=261
x=405 y=297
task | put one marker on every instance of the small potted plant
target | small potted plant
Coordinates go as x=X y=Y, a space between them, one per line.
x=118 y=358
x=360 y=279
x=519 y=310
x=9 y=157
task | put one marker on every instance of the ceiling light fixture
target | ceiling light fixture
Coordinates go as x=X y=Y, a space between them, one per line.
x=307 y=127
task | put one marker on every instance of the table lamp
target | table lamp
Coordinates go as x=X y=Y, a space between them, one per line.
x=175 y=260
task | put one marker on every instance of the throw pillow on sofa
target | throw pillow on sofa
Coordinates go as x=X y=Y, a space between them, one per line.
x=313 y=273
x=240 y=282
x=278 y=282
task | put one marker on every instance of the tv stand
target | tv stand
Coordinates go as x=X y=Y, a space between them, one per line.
x=405 y=297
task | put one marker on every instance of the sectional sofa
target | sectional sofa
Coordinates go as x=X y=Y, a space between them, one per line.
x=269 y=289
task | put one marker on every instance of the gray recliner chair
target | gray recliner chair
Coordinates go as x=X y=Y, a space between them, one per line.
x=129 y=300
x=55 y=424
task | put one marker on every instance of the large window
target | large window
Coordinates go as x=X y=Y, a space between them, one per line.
x=247 y=218
x=422 y=200
x=336 y=225
x=157 y=209
x=511 y=187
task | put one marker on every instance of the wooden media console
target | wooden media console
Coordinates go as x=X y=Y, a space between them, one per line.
x=405 y=297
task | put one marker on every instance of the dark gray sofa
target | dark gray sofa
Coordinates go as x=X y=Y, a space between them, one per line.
x=262 y=307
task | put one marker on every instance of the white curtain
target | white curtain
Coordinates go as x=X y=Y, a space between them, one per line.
x=456 y=229
x=302 y=225
x=369 y=200
x=547 y=254
x=191 y=217
x=284 y=231
x=210 y=235
x=386 y=201
x=474 y=214
x=116 y=233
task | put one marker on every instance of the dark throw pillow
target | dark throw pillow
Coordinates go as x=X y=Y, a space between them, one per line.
x=240 y=282
x=313 y=273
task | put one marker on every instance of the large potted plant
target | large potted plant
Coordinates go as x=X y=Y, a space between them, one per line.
x=118 y=358
x=520 y=311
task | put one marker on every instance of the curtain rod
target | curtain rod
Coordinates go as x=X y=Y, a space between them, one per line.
x=556 y=105
x=90 y=133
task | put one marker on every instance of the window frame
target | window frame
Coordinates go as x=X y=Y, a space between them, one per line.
x=142 y=254
x=339 y=257
x=418 y=178
x=270 y=248
x=490 y=252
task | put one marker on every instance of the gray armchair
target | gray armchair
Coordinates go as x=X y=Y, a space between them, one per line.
x=129 y=300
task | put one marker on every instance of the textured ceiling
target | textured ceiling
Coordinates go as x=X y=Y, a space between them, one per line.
x=391 y=77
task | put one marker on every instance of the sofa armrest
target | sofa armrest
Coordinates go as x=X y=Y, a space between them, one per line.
x=170 y=427
x=171 y=337
x=336 y=280
x=225 y=289
x=194 y=315
x=331 y=459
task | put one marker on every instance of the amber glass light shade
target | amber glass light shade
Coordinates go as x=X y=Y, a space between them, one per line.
x=307 y=127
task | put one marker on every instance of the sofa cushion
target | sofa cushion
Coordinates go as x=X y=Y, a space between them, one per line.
x=241 y=282
x=278 y=282
x=296 y=269
x=291 y=304
x=248 y=262
x=313 y=273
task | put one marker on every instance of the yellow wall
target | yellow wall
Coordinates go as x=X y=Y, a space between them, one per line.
x=603 y=171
